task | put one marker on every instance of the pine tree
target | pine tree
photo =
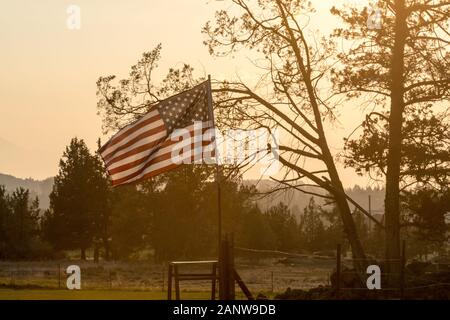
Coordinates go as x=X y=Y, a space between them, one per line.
x=78 y=201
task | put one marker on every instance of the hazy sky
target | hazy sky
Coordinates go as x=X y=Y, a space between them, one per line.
x=48 y=72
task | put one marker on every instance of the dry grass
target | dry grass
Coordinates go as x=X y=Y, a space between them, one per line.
x=144 y=280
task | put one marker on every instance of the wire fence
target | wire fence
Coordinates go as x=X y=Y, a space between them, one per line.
x=101 y=276
x=414 y=279
x=265 y=272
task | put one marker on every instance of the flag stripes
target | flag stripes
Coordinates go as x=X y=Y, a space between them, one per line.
x=151 y=146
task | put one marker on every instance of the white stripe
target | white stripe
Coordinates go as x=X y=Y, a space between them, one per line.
x=139 y=143
x=162 y=151
x=132 y=158
x=154 y=167
x=140 y=155
x=168 y=149
x=150 y=126
x=126 y=129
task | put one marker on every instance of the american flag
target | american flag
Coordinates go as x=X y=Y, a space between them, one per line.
x=146 y=147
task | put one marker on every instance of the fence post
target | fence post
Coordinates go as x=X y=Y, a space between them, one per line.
x=231 y=268
x=271 y=276
x=59 y=275
x=222 y=267
x=226 y=269
x=163 y=277
x=338 y=272
x=402 y=270
x=169 y=282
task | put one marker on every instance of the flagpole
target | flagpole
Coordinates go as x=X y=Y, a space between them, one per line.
x=219 y=193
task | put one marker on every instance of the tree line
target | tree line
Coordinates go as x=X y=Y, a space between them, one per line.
x=390 y=57
x=174 y=216
x=170 y=216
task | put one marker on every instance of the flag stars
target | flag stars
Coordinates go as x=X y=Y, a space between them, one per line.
x=181 y=111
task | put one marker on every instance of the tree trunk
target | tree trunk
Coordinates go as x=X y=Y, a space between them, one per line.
x=96 y=254
x=83 y=254
x=107 y=250
x=392 y=200
x=360 y=261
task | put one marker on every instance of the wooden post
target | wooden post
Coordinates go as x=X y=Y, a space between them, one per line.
x=163 y=273
x=231 y=268
x=213 y=282
x=242 y=285
x=271 y=278
x=110 y=279
x=169 y=283
x=59 y=275
x=338 y=271
x=177 y=283
x=402 y=271
x=226 y=269
x=222 y=268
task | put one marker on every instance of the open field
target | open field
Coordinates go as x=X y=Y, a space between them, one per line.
x=144 y=280
x=37 y=294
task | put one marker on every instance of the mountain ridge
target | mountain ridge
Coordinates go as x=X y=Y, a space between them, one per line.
x=38 y=188
x=295 y=200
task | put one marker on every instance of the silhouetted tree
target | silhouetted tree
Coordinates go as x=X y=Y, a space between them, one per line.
x=426 y=213
x=284 y=226
x=122 y=102
x=131 y=220
x=19 y=225
x=4 y=216
x=78 y=199
x=287 y=97
x=312 y=229
x=403 y=63
x=255 y=231
x=425 y=151
x=334 y=230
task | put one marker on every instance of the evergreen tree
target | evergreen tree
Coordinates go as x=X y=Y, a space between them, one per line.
x=78 y=201
x=4 y=215
x=284 y=226
x=312 y=229
x=19 y=224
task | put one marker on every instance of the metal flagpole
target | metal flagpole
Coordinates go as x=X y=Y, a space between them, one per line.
x=219 y=194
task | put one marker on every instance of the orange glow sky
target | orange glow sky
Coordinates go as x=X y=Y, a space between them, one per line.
x=48 y=72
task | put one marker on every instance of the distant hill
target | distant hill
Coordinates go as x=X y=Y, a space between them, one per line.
x=38 y=188
x=297 y=200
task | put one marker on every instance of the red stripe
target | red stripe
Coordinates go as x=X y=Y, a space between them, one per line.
x=133 y=128
x=164 y=142
x=137 y=150
x=143 y=135
x=135 y=163
x=148 y=175
x=163 y=157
